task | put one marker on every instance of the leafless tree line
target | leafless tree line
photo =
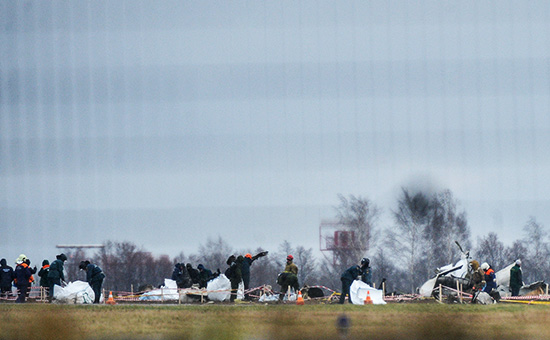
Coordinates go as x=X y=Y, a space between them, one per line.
x=423 y=236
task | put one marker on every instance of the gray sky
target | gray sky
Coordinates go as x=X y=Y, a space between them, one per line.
x=164 y=123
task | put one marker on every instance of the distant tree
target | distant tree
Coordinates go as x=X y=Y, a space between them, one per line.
x=128 y=267
x=406 y=238
x=329 y=274
x=517 y=250
x=491 y=250
x=162 y=268
x=535 y=260
x=445 y=226
x=383 y=267
x=303 y=258
x=284 y=249
x=73 y=273
x=264 y=271
x=180 y=258
x=307 y=266
x=360 y=216
x=214 y=254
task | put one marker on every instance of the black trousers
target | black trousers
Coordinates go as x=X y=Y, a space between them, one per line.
x=96 y=287
x=234 y=289
x=346 y=284
x=246 y=282
x=21 y=293
x=54 y=282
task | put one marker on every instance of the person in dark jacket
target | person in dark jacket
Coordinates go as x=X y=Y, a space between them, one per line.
x=94 y=277
x=6 y=278
x=193 y=273
x=247 y=262
x=516 y=279
x=234 y=274
x=181 y=276
x=23 y=274
x=351 y=274
x=31 y=279
x=56 y=275
x=43 y=274
x=205 y=275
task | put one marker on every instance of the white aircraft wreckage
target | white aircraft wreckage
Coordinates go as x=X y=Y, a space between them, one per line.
x=456 y=281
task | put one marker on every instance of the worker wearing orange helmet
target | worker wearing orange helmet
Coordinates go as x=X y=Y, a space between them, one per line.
x=245 y=270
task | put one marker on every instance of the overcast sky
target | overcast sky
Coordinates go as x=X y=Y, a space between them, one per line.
x=164 y=123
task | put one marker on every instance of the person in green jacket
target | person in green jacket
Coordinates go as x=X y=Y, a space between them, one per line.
x=516 y=280
x=55 y=276
x=43 y=274
x=289 y=277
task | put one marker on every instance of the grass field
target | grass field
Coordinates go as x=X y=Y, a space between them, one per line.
x=253 y=321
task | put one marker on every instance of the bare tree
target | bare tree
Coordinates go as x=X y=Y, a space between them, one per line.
x=491 y=250
x=264 y=271
x=128 y=267
x=180 y=258
x=518 y=250
x=384 y=268
x=444 y=227
x=359 y=215
x=538 y=251
x=405 y=240
x=72 y=271
x=306 y=262
x=213 y=255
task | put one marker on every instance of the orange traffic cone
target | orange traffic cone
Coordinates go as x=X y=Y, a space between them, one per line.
x=110 y=300
x=299 y=299
x=368 y=300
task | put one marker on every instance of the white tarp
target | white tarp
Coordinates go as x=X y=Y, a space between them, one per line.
x=167 y=292
x=503 y=275
x=359 y=290
x=78 y=292
x=427 y=288
x=219 y=289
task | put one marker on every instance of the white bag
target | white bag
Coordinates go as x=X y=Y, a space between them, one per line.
x=167 y=292
x=358 y=293
x=78 y=292
x=219 y=289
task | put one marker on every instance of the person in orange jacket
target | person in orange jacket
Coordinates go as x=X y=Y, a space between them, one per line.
x=490 y=278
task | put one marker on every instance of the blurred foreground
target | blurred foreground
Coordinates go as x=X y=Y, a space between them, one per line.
x=244 y=321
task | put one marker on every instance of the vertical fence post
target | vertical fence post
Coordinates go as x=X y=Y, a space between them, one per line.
x=440 y=292
x=383 y=290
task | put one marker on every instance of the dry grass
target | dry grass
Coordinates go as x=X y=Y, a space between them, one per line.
x=394 y=321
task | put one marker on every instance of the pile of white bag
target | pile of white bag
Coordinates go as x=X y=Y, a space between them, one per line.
x=169 y=291
x=219 y=289
x=78 y=292
x=359 y=290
